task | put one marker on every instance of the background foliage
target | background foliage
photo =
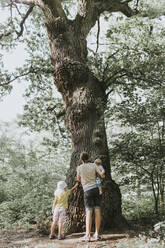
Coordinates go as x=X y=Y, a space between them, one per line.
x=130 y=59
x=29 y=174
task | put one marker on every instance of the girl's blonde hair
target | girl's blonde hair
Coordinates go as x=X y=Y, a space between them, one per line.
x=61 y=185
x=98 y=161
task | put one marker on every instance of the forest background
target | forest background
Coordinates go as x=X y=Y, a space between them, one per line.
x=127 y=53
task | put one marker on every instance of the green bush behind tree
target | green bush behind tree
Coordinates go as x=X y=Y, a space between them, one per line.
x=28 y=179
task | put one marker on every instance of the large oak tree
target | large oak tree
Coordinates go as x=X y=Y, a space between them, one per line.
x=84 y=95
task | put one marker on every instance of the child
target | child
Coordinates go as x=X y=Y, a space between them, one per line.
x=60 y=205
x=98 y=162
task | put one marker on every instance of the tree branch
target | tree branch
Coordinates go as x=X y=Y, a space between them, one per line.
x=50 y=7
x=137 y=4
x=31 y=70
x=61 y=113
x=107 y=65
x=98 y=33
x=126 y=10
x=89 y=11
x=85 y=15
x=15 y=78
x=21 y=24
x=150 y=174
x=5 y=35
x=114 y=74
x=109 y=92
x=134 y=76
x=141 y=78
x=23 y=21
x=27 y=2
x=53 y=9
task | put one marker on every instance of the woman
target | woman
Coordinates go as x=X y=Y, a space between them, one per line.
x=86 y=173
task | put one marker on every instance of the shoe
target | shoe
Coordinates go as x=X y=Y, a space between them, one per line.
x=61 y=236
x=96 y=237
x=85 y=239
x=51 y=236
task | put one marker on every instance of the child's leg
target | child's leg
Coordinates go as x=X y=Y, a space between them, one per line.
x=62 y=217
x=54 y=224
x=100 y=190
x=60 y=229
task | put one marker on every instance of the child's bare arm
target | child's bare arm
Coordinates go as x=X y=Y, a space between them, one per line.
x=78 y=178
x=74 y=187
x=54 y=205
x=101 y=174
x=102 y=170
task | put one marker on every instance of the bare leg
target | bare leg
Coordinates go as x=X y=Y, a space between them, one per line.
x=100 y=190
x=54 y=224
x=97 y=220
x=60 y=229
x=88 y=222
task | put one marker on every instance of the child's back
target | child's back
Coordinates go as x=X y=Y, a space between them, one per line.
x=59 y=208
x=62 y=199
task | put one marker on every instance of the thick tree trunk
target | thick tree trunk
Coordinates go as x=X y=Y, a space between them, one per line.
x=85 y=102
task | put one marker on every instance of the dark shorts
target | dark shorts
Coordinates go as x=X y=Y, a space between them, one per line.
x=92 y=199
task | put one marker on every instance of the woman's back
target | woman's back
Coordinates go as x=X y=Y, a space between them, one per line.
x=87 y=172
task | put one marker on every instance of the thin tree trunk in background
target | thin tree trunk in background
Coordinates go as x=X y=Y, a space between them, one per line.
x=161 y=194
x=156 y=197
x=161 y=198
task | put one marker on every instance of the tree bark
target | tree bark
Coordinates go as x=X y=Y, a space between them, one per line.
x=156 y=195
x=85 y=102
x=161 y=197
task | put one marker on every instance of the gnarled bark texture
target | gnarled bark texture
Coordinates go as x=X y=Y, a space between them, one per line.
x=85 y=100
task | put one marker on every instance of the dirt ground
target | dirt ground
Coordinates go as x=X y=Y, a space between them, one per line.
x=23 y=239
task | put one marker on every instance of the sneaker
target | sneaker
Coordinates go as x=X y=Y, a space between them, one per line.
x=51 y=236
x=96 y=237
x=85 y=239
x=61 y=237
